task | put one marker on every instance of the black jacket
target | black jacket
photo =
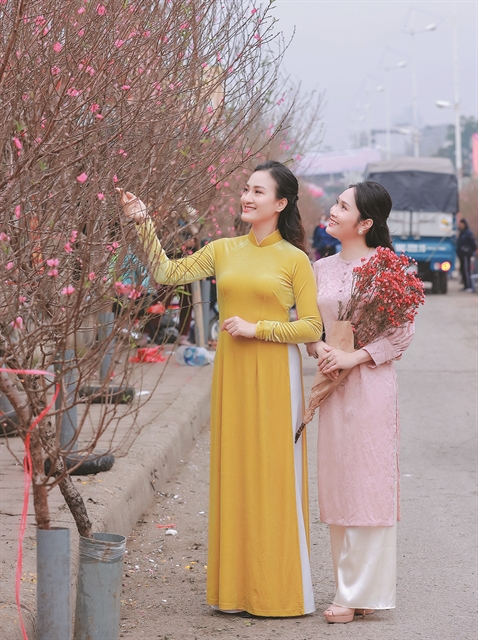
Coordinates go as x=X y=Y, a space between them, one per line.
x=465 y=244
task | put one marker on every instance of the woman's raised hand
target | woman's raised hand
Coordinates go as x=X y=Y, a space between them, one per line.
x=133 y=208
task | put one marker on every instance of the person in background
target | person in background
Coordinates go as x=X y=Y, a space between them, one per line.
x=465 y=248
x=323 y=243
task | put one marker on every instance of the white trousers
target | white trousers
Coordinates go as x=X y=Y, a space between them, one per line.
x=365 y=566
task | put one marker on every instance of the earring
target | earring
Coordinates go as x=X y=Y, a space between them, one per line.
x=360 y=231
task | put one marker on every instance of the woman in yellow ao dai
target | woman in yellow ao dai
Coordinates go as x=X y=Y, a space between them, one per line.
x=258 y=552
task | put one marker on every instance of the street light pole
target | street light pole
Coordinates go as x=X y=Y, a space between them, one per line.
x=387 y=106
x=444 y=104
x=416 y=148
x=413 y=31
x=458 y=152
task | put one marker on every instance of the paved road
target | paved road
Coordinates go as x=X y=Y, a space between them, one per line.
x=164 y=590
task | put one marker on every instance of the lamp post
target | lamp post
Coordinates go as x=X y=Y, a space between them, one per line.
x=444 y=104
x=412 y=30
x=387 y=67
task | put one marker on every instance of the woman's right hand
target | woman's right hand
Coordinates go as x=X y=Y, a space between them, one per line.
x=133 y=208
x=317 y=350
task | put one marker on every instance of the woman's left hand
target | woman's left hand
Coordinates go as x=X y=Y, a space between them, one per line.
x=237 y=327
x=336 y=359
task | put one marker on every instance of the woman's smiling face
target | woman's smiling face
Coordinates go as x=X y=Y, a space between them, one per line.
x=344 y=221
x=259 y=199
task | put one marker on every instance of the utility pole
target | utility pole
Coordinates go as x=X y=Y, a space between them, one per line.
x=413 y=31
x=458 y=153
x=416 y=147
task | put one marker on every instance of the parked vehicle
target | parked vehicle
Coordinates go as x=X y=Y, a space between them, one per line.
x=422 y=223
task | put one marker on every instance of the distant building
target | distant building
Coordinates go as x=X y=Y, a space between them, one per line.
x=432 y=139
x=333 y=171
x=336 y=167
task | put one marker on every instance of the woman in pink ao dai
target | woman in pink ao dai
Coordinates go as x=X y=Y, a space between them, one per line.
x=358 y=423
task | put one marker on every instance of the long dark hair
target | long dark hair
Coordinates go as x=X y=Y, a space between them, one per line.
x=374 y=203
x=287 y=186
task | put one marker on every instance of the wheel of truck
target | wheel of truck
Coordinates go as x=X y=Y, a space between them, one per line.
x=443 y=281
x=435 y=282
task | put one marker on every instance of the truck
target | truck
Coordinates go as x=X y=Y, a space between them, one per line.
x=422 y=222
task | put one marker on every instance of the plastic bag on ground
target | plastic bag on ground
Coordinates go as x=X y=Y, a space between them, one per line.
x=194 y=356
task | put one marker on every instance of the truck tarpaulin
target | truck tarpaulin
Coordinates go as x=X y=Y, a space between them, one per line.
x=418 y=184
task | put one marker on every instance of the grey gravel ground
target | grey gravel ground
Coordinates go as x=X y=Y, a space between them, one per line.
x=164 y=583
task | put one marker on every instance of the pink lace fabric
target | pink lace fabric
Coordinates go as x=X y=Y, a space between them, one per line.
x=358 y=442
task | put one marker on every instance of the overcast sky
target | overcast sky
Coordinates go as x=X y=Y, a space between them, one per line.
x=339 y=48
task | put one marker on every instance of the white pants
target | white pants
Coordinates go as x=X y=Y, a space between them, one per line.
x=365 y=566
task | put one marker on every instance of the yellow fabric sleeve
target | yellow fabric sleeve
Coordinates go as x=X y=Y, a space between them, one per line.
x=308 y=327
x=197 y=266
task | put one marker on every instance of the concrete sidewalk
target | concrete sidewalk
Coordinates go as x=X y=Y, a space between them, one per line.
x=168 y=424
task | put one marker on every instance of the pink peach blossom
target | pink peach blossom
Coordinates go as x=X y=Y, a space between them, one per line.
x=91 y=276
x=18 y=323
x=101 y=10
x=57 y=47
x=55 y=70
x=67 y=291
x=9 y=266
x=17 y=143
x=53 y=262
x=53 y=273
x=83 y=177
x=100 y=196
x=68 y=248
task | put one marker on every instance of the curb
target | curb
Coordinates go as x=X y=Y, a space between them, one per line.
x=152 y=459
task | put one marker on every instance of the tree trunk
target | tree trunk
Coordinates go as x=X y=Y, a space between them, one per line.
x=75 y=502
x=40 y=491
x=68 y=490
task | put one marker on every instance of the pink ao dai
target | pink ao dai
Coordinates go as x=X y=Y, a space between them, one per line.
x=358 y=440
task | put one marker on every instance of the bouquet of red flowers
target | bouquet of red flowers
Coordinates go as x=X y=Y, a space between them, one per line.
x=385 y=295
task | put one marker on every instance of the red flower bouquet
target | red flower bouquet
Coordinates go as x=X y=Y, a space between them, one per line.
x=385 y=295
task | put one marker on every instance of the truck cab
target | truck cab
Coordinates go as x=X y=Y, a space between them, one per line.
x=422 y=222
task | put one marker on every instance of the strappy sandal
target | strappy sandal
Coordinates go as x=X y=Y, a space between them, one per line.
x=364 y=612
x=346 y=615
